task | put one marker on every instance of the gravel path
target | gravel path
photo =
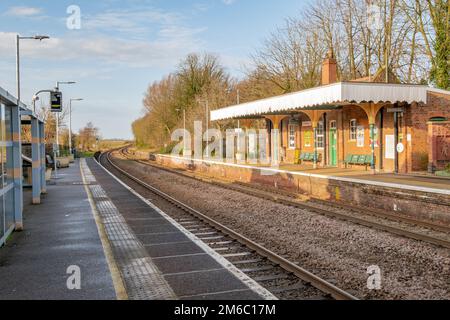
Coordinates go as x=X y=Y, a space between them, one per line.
x=338 y=251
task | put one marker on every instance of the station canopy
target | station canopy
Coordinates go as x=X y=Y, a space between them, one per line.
x=326 y=97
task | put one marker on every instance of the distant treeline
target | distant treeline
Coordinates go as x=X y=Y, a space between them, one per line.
x=409 y=37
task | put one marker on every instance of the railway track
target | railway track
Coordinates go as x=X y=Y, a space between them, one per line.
x=283 y=278
x=399 y=225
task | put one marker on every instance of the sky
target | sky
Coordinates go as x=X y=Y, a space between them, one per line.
x=121 y=46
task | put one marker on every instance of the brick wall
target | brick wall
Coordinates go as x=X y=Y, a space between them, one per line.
x=438 y=105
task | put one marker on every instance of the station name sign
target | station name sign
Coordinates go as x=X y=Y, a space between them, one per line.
x=395 y=110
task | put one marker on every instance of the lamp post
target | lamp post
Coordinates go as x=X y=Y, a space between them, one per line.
x=207 y=127
x=70 y=122
x=238 y=100
x=57 y=118
x=18 y=38
x=36 y=98
x=186 y=151
x=63 y=82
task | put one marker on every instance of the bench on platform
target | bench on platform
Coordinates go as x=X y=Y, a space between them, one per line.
x=309 y=157
x=358 y=159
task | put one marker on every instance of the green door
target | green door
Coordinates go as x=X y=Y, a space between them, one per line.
x=333 y=144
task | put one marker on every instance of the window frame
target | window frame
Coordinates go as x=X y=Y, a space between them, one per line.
x=320 y=133
x=333 y=124
x=353 y=130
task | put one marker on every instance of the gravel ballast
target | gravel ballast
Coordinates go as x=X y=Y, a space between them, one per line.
x=338 y=251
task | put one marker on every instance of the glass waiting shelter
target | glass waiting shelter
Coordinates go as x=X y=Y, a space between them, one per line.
x=12 y=112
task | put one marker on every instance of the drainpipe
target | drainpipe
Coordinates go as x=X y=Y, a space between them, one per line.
x=396 y=140
x=315 y=145
x=325 y=140
x=380 y=134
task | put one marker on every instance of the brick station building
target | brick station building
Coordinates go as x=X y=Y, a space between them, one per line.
x=393 y=127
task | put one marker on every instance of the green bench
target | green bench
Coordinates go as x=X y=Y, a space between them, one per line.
x=308 y=157
x=358 y=159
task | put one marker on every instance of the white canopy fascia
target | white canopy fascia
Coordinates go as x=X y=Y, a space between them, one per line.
x=334 y=94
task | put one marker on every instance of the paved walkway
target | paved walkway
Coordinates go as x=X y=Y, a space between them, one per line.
x=59 y=233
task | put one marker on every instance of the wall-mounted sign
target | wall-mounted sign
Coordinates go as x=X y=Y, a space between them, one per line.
x=400 y=148
x=306 y=124
x=390 y=147
x=393 y=110
x=360 y=137
x=308 y=138
x=409 y=137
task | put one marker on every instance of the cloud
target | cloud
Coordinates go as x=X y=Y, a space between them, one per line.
x=166 y=49
x=228 y=2
x=23 y=11
x=131 y=21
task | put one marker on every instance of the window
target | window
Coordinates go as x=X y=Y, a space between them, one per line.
x=333 y=124
x=353 y=130
x=319 y=135
x=292 y=136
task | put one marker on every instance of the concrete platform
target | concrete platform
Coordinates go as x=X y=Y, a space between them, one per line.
x=59 y=233
x=157 y=257
x=124 y=247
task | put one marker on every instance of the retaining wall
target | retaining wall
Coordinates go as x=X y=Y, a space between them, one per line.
x=417 y=202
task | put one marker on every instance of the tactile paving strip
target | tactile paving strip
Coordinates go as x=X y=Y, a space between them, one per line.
x=142 y=278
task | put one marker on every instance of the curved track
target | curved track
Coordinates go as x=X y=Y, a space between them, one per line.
x=274 y=272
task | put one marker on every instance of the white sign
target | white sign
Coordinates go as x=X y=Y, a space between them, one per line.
x=360 y=137
x=306 y=124
x=400 y=148
x=390 y=147
x=409 y=137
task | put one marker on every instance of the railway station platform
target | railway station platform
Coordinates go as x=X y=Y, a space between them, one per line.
x=121 y=244
x=412 y=180
x=417 y=196
x=59 y=234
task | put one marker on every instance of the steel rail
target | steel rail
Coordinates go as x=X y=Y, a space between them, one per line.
x=300 y=272
x=360 y=221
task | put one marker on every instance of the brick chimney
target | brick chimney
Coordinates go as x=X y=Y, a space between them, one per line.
x=329 y=69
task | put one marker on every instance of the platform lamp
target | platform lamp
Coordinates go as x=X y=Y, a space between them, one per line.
x=70 y=122
x=18 y=38
x=57 y=118
x=186 y=152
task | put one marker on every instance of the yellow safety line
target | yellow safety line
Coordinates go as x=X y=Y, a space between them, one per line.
x=119 y=287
